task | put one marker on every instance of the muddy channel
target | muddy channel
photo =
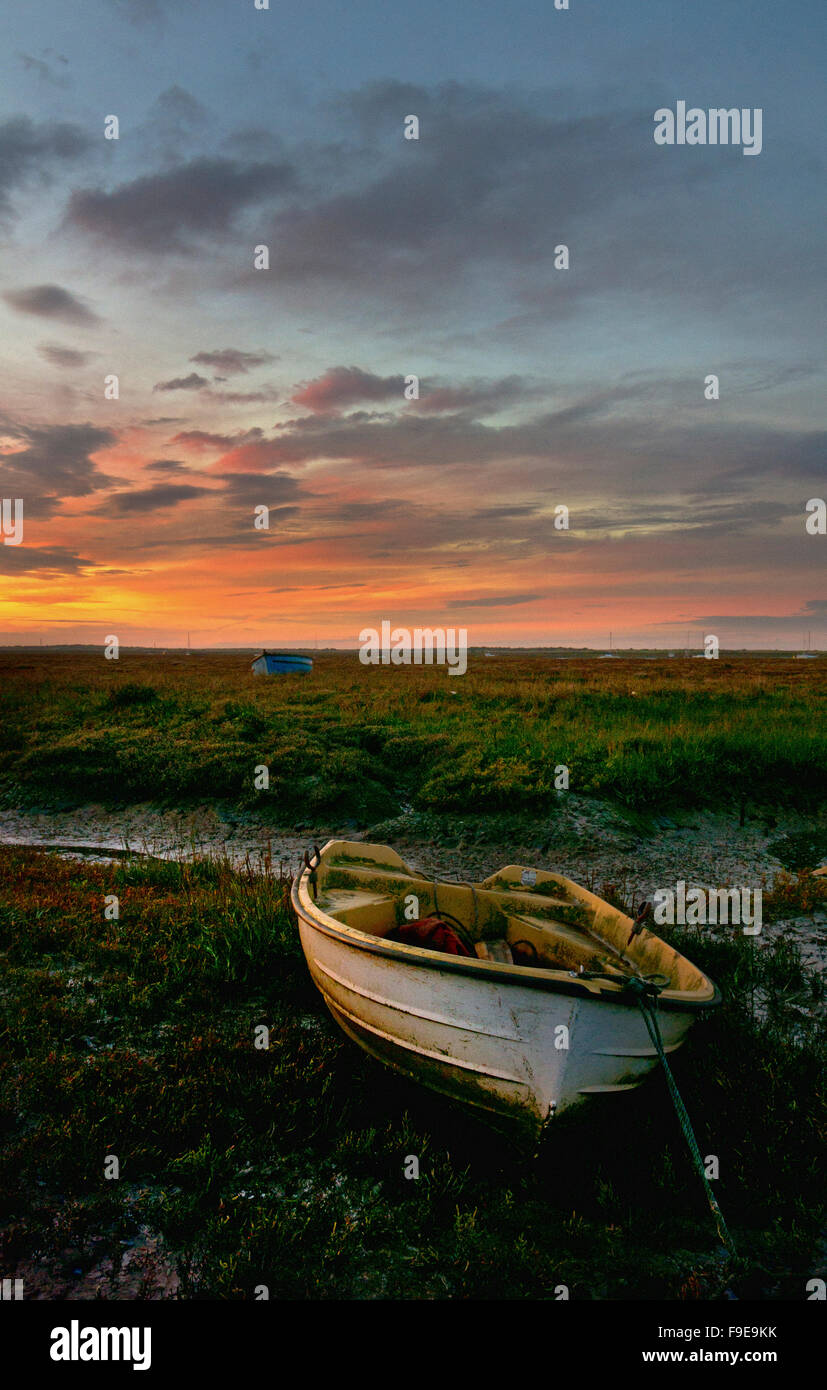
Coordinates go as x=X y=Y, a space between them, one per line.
x=587 y=841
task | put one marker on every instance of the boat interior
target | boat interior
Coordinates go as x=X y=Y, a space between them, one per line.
x=518 y=917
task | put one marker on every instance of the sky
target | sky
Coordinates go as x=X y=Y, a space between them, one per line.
x=390 y=259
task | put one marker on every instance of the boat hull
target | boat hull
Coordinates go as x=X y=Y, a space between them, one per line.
x=281 y=664
x=513 y=1051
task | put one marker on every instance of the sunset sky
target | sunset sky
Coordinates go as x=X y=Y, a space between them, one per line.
x=390 y=258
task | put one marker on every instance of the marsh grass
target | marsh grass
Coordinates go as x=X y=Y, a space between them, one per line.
x=285 y=1167
x=351 y=741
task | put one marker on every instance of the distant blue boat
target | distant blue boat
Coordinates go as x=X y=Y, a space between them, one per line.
x=281 y=664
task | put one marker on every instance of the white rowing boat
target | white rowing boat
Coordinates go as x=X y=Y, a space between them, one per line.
x=541 y=1015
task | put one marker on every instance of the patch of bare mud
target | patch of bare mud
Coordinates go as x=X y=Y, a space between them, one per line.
x=106 y=1268
x=96 y=832
x=586 y=840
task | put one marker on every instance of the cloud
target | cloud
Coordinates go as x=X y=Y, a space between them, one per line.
x=175 y=117
x=43 y=560
x=167 y=466
x=494 y=180
x=257 y=489
x=623 y=441
x=480 y=398
x=165 y=211
x=261 y=396
x=340 y=387
x=235 y=490
x=343 y=386
x=55 y=463
x=151 y=499
x=63 y=356
x=44 y=70
x=815 y=609
x=507 y=513
x=50 y=302
x=29 y=151
x=232 y=361
x=504 y=601
x=193 y=382
x=201 y=440
x=141 y=11
x=296 y=588
x=475 y=209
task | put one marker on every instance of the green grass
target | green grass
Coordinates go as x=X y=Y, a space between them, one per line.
x=358 y=742
x=285 y=1167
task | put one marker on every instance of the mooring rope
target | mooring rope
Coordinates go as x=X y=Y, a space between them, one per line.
x=647 y=1000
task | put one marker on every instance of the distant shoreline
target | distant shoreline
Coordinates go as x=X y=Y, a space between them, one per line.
x=665 y=653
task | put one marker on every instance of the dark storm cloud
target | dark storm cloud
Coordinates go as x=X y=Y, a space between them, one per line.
x=50 y=302
x=29 y=151
x=151 y=499
x=232 y=361
x=193 y=382
x=63 y=356
x=163 y=211
x=56 y=463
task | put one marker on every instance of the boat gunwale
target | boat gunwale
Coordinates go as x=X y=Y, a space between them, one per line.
x=552 y=981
